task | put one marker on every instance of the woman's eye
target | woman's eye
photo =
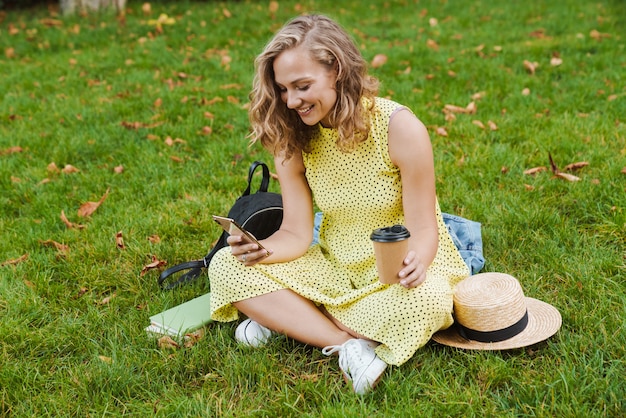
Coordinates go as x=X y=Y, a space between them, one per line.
x=304 y=88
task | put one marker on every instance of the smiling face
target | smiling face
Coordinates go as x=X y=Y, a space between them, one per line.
x=305 y=85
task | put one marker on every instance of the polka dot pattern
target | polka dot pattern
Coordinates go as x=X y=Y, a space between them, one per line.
x=361 y=192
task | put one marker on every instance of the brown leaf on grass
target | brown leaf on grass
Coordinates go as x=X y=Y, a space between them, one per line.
x=469 y=109
x=559 y=173
x=594 y=34
x=206 y=130
x=81 y=293
x=232 y=86
x=69 y=169
x=623 y=170
x=119 y=241
x=192 y=338
x=118 y=169
x=156 y=263
x=106 y=300
x=555 y=61
x=492 y=125
x=576 y=166
x=146 y=8
x=106 y=359
x=166 y=342
x=273 y=7
x=225 y=62
x=432 y=44
x=176 y=159
x=379 y=60
x=11 y=150
x=531 y=67
x=87 y=209
x=155 y=239
x=48 y=21
x=14 y=261
x=9 y=52
x=52 y=168
x=61 y=248
x=70 y=225
x=535 y=170
x=567 y=176
x=553 y=165
x=138 y=125
x=479 y=124
x=441 y=131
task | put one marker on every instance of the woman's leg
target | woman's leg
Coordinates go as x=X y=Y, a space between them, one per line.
x=287 y=312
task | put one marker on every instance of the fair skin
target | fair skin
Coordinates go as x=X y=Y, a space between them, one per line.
x=308 y=88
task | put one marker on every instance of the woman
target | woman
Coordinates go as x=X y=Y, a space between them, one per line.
x=367 y=163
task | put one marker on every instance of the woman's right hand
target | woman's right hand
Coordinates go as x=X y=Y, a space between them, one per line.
x=247 y=253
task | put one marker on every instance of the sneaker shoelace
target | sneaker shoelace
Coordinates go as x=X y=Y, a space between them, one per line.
x=351 y=346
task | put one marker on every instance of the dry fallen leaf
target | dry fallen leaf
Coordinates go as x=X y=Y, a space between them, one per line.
x=156 y=263
x=379 y=60
x=273 y=7
x=119 y=241
x=11 y=150
x=69 y=169
x=492 y=125
x=432 y=45
x=559 y=173
x=576 y=166
x=566 y=176
x=87 y=209
x=106 y=359
x=535 y=170
x=556 y=61
x=623 y=170
x=106 y=300
x=118 y=169
x=479 y=124
x=531 y=67
x=193 y=337
x=167 y=342
x=14 y=261
x=441 y=131
x=146 y=8
x=62 y=248
x=69 y=224
x=155 y=239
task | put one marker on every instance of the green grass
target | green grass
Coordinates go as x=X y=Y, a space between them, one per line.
x=68 y=87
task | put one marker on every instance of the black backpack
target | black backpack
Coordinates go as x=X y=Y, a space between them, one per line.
x=260 y=213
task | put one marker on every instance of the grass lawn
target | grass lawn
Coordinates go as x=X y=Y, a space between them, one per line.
x=148 y=120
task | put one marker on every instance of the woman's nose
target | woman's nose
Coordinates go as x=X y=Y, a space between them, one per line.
x=293 y=99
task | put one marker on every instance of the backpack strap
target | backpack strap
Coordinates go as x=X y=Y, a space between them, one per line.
x=196 y=267
x=265 y=181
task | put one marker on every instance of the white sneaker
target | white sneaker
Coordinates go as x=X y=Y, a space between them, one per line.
x=359 y=363
x=253 y=334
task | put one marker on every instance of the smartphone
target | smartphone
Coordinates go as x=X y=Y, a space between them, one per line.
x=233 y=228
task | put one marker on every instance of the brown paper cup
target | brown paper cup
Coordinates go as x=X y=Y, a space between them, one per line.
x=389 y=259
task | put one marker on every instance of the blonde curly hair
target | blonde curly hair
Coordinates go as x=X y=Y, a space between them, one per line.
x=280 y=129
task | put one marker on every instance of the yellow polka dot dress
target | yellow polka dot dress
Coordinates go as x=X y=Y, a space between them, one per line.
x=357 y=192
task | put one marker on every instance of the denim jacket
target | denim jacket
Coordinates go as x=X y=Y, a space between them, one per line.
x=465 y=234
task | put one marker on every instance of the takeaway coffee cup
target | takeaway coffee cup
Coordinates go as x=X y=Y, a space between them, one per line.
x=390 y=247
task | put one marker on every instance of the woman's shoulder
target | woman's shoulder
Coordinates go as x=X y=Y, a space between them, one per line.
x=386 y=108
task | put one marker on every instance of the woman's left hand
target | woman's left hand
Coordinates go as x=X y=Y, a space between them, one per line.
x=413 y=273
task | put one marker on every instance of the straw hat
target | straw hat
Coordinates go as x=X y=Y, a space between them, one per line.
x=491 y=313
